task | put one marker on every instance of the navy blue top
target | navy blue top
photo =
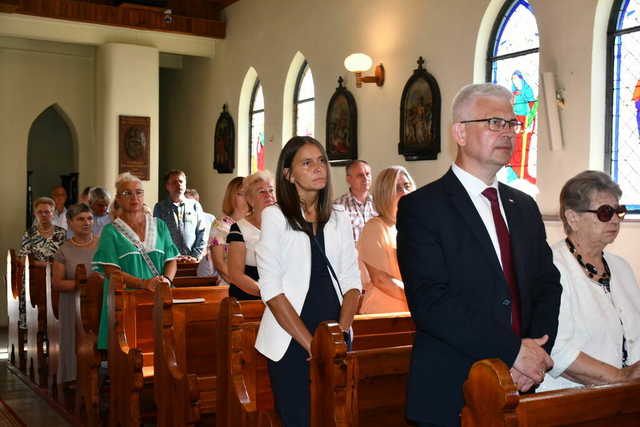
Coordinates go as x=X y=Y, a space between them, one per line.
x=321 y=302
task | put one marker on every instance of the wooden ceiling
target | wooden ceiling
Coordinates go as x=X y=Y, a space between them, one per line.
x=195 y=17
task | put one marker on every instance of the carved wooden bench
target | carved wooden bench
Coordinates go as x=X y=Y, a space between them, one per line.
x=185 y=355
x=367 y=385
x=491 y=399
x=88 y=308
x=17 y=338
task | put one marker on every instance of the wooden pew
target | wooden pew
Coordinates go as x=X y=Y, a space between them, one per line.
x=53 y=338
x=88 y=307
x=131 y=348
x=185 y=356
x=244 y=390
x=187 y=269
x=17 y=338
x=245 y=398
x=491 y=399
x=367 y=385
x=193 y=281
x=36 y=307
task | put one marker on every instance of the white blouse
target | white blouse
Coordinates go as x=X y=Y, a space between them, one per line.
x=591 y=320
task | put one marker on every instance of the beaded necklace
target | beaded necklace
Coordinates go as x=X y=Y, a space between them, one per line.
x=605 y=277
x=604 y=282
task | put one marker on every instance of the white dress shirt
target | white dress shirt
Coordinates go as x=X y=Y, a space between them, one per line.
x=474 y=187
x=60 y=219
x=592 y=321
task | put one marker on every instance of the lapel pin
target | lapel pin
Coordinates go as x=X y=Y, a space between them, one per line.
x=510 y=200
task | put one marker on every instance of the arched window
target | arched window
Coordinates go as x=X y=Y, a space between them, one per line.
x=622 y=147
x=304 y=103
x=256 y=129
x=513 y=62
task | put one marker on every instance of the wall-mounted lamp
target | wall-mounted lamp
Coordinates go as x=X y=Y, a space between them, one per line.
x=359 y=63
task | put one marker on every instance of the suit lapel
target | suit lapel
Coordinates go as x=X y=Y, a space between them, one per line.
x=516 y=226
x=467 y=209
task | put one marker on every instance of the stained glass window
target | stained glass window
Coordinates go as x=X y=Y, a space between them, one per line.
x=513 y=63
x=304 y=103
x=622 y=152
x=256 y=129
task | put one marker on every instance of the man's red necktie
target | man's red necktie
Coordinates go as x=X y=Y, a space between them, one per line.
x=504 y=240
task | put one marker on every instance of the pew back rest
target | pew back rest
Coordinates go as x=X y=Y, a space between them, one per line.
x=364 y=386
x=89 y=289
x=194 y=281
x=383 y=330
x=491 y=399
x=245 y=391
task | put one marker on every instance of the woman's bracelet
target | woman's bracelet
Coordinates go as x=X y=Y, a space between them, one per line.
x=170 y=281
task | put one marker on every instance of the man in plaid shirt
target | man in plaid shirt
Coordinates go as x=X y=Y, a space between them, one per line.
x=358 y=201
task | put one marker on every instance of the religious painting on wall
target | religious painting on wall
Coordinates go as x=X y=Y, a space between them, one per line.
x=224 y=142
x=342 y=127
x=420 y=116
x=134 y=150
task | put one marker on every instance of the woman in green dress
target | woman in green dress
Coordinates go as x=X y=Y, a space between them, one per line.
x=136 y=244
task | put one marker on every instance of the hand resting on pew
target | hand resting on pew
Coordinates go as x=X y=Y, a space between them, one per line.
x=531 y=364
x=136 y=282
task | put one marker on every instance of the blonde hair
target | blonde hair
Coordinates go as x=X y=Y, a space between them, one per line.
x=228 y=204
x=126 y=177
x=44 y=201
x=384 y=190
x=255 y=178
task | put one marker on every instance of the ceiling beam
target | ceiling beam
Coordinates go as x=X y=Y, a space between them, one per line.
x=147 y=18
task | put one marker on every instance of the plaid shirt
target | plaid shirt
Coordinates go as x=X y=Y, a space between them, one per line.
x=359 y=213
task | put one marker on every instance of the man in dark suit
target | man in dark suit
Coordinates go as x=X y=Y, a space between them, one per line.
x=478 y=273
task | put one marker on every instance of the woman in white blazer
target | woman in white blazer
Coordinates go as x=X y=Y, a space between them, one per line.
x=308 y=270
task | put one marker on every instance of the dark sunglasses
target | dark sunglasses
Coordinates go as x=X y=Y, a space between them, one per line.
x=606 y=212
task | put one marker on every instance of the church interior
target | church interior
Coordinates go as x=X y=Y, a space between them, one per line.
x=71 y=70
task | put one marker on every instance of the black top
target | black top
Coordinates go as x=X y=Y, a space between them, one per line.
x=235 y=235
x=321 y=302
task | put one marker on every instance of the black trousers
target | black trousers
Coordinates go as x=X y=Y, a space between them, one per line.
x=290 y=385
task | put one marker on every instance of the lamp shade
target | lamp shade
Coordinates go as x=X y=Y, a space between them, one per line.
x=358 y=62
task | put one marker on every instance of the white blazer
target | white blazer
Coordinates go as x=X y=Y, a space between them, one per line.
x=284 y=264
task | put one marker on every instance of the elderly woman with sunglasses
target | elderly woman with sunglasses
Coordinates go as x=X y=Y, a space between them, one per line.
x=598 y=338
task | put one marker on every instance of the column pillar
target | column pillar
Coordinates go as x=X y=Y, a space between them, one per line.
x=127 y=83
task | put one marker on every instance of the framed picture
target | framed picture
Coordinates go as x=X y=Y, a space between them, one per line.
x=224 y=143
x=134 y=145
x=420 y=116
x=342 y=127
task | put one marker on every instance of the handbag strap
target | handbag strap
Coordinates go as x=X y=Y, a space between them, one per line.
x=139 y=246
x=326 y=260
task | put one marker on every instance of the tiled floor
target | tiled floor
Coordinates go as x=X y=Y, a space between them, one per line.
x=32 y=409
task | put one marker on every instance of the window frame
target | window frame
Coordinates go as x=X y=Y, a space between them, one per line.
x=296 y=92
x=612 y=35
x=499 y=24
x=254 y=92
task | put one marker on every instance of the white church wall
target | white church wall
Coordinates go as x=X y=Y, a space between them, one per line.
x=33 y=76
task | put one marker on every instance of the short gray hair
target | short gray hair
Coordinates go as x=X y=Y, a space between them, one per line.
x=468 y=94
x=576 y=194
x=99 y=193
x=77 y=209
x=126 y=177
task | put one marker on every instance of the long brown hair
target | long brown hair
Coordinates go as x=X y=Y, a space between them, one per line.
x=287 y=194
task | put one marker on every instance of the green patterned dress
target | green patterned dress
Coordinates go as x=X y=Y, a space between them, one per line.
x=118 y=250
